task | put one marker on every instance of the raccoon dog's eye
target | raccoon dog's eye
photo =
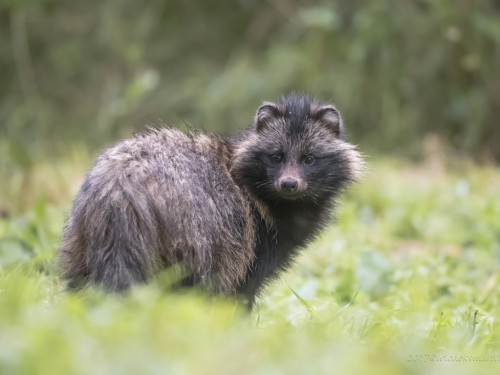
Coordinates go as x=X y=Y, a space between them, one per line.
x=309 y=159
x=277 y=158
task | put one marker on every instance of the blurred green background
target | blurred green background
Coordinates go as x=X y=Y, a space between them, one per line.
x=90 y=72
x=406 y=282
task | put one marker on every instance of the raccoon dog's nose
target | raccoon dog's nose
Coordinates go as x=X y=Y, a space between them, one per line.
x=289 y=185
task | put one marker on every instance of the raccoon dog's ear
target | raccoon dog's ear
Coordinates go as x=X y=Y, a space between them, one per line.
x=329 y=117
x=266 y=113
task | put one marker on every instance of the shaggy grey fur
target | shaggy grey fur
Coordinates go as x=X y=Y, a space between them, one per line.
x=166 y=196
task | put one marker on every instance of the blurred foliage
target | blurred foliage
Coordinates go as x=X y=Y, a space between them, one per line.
x=94 y=71
x=402 y=284
x=401 y=281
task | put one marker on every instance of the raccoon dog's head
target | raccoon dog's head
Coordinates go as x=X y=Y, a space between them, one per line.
x=296 y=151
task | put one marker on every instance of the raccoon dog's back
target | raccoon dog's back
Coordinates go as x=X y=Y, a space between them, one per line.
x=155 y=200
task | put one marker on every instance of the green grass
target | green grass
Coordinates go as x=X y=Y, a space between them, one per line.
x=406 y=282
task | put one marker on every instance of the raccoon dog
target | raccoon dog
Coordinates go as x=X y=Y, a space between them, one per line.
x=234 y=211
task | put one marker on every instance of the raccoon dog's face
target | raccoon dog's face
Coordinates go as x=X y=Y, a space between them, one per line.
x=296 y=152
